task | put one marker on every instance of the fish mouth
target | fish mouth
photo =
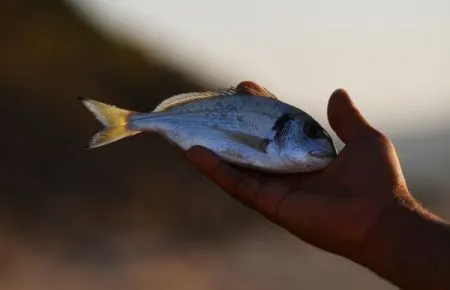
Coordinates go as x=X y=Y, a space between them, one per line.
x=323 y=154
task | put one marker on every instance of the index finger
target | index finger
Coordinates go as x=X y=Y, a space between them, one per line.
x=265 y=195
x=240 y=185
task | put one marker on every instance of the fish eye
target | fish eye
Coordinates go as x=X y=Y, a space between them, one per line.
x=313 y=130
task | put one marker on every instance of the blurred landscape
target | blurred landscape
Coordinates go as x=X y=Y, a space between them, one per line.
x=135 y=214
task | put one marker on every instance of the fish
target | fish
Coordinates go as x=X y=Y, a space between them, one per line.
x=246 y=125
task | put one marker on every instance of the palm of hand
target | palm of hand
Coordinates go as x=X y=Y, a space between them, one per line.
x=333 y=209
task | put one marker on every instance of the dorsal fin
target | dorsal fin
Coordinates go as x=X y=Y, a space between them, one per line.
x=252 y=88
x=243 y=88
x=190 y=97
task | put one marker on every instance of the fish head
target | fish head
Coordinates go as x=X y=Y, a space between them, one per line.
x=303 y=143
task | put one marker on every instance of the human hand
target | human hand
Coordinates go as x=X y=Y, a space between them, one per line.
x=335 y=208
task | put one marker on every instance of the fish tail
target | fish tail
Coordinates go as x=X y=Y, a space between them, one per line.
x=113 y=118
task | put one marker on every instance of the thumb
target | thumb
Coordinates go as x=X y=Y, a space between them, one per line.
x=345 y=118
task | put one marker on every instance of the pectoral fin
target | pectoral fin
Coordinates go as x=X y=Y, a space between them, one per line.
x=264 y=144
x=251 y=141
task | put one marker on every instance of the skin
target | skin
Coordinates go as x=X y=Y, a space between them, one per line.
x=358 y=207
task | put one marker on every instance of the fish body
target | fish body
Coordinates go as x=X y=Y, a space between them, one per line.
x=245 y=125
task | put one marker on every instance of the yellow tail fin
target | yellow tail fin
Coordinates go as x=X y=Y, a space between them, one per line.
x=114 y=119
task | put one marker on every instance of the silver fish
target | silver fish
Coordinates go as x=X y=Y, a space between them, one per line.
x=245 y=125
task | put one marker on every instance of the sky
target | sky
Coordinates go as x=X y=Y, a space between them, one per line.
x=392 y=56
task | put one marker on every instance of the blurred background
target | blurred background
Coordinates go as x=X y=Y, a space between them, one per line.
x=135 y=214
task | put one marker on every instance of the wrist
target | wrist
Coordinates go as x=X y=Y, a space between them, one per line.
x=406 y=243
x=395 y=223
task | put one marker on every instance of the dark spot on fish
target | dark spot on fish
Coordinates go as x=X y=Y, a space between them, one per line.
x=281 y=124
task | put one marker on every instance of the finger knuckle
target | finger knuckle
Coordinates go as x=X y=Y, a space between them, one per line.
x=246 y=185
x=382 y=138
x=277 y=210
